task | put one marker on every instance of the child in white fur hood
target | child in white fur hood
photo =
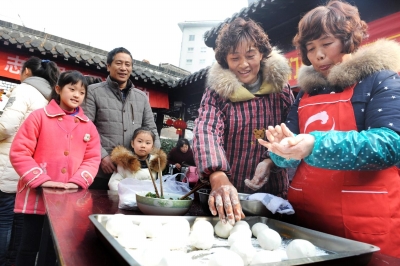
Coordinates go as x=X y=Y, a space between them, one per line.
x=135 y=165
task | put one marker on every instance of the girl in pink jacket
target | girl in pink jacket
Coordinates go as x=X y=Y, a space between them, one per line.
x=58 y=147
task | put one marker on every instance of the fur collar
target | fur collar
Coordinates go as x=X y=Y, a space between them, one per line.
x=380 y=55
x=124 y=157
x=275 y=73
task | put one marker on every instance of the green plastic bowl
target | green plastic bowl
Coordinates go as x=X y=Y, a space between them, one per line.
x=157 y=206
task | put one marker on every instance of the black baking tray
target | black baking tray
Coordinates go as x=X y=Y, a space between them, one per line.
x=341 y=251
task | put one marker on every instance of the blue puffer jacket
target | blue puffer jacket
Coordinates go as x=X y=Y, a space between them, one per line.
x=376 y=103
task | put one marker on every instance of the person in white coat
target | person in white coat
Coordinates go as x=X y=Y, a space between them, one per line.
x=38 y=77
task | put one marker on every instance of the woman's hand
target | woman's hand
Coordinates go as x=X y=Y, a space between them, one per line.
x=224 y=199
x=297 y=147
x=53 y=184
x=178 y=166
x=71 y=186
x=107 y=165
x=278 y=133
x=261 y=175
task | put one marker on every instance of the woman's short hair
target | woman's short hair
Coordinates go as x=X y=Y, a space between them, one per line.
x=338 y=18
x=237 y=31
x=182 y=142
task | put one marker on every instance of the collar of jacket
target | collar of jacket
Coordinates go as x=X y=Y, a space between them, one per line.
x=380 y=55
x=115 y=86
x=54 y=110
x=275 y=73
x=42 y=85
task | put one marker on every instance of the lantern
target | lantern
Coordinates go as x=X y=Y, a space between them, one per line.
x=169 y=122
x=179 y=125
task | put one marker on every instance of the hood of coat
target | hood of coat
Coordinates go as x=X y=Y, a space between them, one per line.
x=124 y=157
x=275 y=73
x=380 y=55
x=53 y=110
x=42 y=85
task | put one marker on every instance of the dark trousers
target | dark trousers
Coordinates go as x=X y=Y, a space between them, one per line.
x=10 y=229
x=31 y=240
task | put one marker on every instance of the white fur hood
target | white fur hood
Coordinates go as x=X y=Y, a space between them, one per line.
x=380 y=55
x=275 y=72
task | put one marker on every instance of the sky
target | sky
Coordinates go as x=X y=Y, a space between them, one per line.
x=147 y=28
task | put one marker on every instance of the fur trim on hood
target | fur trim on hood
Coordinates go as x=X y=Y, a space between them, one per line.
x=124 y=157
x=380 y=55
x=275 y=71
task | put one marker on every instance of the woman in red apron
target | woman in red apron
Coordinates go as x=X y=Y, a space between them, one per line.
x=347 y=121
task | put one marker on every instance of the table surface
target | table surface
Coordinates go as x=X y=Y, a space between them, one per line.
x=74 y=235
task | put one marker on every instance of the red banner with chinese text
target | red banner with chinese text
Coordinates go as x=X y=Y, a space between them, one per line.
x=11 y=64
x=387 y=27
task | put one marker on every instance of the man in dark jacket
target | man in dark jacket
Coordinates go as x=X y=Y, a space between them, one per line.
x=117 y=109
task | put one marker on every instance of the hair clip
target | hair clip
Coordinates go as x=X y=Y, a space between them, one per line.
x=45 y=61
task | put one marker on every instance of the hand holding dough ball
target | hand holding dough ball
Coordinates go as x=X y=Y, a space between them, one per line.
x=117 y=223
x=269 y=239
x=222 y=230
x=225 y=257
x=265 y=256
x=245 y=250
x=258 y=227
x=132 y=236
x=300 y=248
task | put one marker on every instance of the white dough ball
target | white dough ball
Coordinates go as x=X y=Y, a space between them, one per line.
x=226 y=257
x=222 y=230
x=151 y=228
x=281 y=253
x=201 y=239
x=245 y=250
x=239 y=236
x=241 y=222
x=153 y=254
x=269 y=239
x=117 y=223
x=300 y=248
x=183 y=225
x=265 y=256
x=132 y=236
x=174 y=258
x=258 y=227
x=242 y=229
x=203 y=226
x=172 y=236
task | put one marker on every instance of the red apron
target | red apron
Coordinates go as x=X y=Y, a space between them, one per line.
x=359 y=205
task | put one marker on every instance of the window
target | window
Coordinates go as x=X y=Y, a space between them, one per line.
x=190 y=49
x=191 y=38
x=202 y=61
x=188 y=61
x=203 y=49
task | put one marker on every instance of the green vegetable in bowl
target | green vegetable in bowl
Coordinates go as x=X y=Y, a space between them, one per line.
x=154 y=195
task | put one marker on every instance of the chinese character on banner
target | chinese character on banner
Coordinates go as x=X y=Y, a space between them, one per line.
x=14 y=64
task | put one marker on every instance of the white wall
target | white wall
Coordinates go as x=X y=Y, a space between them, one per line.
x=201 y=55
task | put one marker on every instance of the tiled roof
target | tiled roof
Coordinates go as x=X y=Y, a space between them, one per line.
x=279 y=18
x=194 y=77
x=20 y=37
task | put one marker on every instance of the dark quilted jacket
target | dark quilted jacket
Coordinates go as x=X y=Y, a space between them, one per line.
x=116 y=120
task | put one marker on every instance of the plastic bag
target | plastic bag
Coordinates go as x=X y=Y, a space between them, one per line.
x=128 y=188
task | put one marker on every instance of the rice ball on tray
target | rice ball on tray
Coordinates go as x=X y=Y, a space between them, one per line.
x=269 y=239
x=300 y=248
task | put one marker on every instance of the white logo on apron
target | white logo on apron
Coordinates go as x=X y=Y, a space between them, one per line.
x=321 y=116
